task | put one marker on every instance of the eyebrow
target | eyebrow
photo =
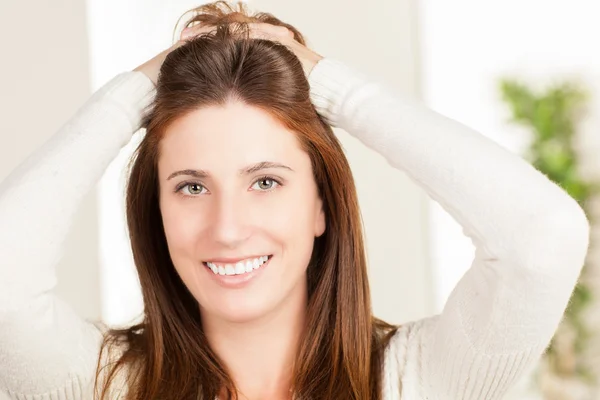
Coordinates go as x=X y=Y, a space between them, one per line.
x=200 y=174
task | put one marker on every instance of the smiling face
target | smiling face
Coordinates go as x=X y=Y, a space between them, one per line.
x=240 y=209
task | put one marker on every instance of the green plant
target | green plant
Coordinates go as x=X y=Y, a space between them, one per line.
x=552 y=117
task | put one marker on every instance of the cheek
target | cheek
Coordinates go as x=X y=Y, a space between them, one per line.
x=183 y=232
x=292 y=222
x=182 y=227
x=292 y=215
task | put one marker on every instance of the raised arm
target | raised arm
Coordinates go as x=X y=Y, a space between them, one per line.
x=45 y=348
x=531 y=237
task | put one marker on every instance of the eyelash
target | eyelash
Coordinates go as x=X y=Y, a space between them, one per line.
x=262 y=178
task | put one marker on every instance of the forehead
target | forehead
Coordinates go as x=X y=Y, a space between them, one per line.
x=235 y=131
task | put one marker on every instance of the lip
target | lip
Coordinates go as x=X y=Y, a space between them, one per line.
x=236 y=281
x=225 y=260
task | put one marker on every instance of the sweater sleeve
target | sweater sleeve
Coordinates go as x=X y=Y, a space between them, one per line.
x=46 y=350
x=531 y=237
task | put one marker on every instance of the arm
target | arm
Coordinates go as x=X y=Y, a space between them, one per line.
x=45 y=348
x=531 y=237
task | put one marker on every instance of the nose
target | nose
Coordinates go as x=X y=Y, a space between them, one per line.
x=229 y=225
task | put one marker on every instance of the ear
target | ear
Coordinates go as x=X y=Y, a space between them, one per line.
x=320 y=220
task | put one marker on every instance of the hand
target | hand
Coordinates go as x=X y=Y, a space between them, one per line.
x=152 y=66
x=280 y=34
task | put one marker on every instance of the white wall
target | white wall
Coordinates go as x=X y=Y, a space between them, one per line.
x=43 y=79
x=380 y=40
x=467 y=46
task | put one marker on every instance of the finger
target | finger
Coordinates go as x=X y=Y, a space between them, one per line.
x=196 y=30
x=259 y=30
x=268 y=30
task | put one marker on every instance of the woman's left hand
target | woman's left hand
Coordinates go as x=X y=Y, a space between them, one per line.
x=281 y=34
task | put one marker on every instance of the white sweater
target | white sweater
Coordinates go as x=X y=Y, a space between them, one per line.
x=531 y=239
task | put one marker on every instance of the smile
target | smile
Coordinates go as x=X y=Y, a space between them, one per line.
x=239 y=268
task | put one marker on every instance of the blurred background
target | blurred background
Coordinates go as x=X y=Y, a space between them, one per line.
x=525 y=73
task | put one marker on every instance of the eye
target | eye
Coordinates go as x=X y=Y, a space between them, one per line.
x=265 y=183
x=194 y=188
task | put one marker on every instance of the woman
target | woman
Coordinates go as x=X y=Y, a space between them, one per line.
x=245 y=230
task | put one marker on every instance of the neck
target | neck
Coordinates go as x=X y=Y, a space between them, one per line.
x=260 y=354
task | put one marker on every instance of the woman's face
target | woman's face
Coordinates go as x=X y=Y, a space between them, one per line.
x=240 y=209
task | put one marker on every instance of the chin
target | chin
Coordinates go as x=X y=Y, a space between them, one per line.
x=237 y=312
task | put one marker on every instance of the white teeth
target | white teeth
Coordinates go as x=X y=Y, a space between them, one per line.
x=239 y=268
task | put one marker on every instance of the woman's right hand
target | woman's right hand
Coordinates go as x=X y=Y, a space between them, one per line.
x=152 y=66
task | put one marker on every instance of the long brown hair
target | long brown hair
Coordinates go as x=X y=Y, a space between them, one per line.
x=167 y=355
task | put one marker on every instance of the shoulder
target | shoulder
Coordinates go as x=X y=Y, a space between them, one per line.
x=404 y=357
x=114 y=347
